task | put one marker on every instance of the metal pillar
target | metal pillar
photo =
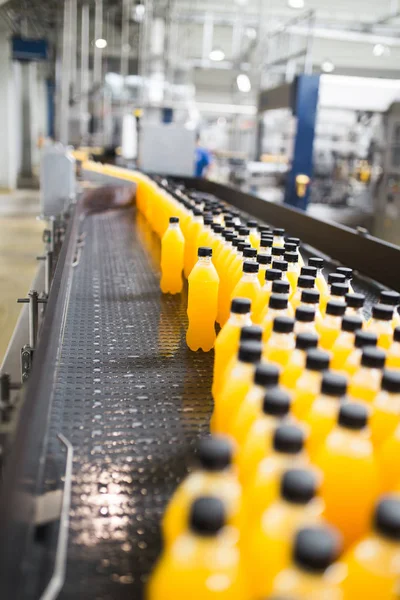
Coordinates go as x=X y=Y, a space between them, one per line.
x=84 y=87
x=66 y=74
x=98 y=34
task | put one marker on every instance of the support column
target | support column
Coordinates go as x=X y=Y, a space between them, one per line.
x=9 y=117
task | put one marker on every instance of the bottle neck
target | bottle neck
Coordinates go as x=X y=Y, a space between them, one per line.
x=174 y=226
x=204 y=260
x=249 y=277
x=239 y=320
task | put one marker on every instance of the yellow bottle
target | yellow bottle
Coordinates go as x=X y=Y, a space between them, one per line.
x=391 y=298
x=205 y=237
x=214 y=477
x=388 y=459
x=362 y=340
x=296 y=242
x=264 y=263
x=329 y=326
x=237 y=384
x=373 y=562
x=344 y=344
x=278 y=234
x=323 y=414
x=266 y=245
x=268 y=544
x=282 y=265
x=202 y=302
x=297 y=362
x=281 y=342
x=227 y=342
x=333 y=278
x=385 y=414
x=381 y=324
x=355 y=304
x=193 y=231
x=248 y=333
x=277 y=307
x=262 y=300
x=366 y=382
x=304 y=282
x=304 y=319
x=351 y=479
x=393 y=354
x=320 y=281
x=313 y=574
x=254 y=235
x=172 y=254
x=226 y=256
x=293 y=272
x=248 y=286
x=348 y=273
x=203 y=563
x=266 y=376
x=311 y=298
x=308 y=384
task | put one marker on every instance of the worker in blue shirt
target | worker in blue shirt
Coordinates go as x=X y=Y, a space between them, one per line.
x=203 y=159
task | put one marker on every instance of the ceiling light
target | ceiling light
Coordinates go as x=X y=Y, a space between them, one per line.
x=296 y=3
x=381 y=50
x=327 y=66
x=217 y=54
x=243 y=83
x=138 y=12
x=101 y=43
x=251 y=33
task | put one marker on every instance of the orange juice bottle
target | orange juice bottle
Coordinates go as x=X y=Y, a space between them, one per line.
x=267 y=547
x=244 y=234
x=323 y=414
x=313 y=574
x=277 y=306
x=281 y=287
x=373 y=562
x=308 y=384
x=236 y=386
x=293 y=272
x=254 y=234
x=332 y=279
x=311 y=297
x=366 y=382
x=391 y=298
x=297 y=362
x=320 y=281
x=202 y=302
x=265 y=246
x=226 y=256
x=236 y=270
x=258 y=442
x=248 y=286
x=266 y=376
x=262 y=300
x=295 y=241
x=338 y=292
x=381 y=324
x=282 y=265
x=281 y=342
x=344 y=343
x=172 y=255
x=348 y=273
x=278 y=252
x=193 y=231
x=264 y=263
x=248 y=333
x=351 y=479
x=329 y=326
x=393 y=354
x=278 y=234
x=203 y=563
x=362 y=340
x=305 y=319
x=309 y=271
x=386 y=408
x=304 y=282
x=205 y=237
x=355 y=303
x=388 y=458
x=227 y=342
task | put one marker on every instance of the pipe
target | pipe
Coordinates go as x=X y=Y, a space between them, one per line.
x=66 y=74
x=84 y=97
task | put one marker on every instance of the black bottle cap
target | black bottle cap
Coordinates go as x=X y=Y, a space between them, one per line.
x=236 y=242
x=204 y=251
x=293 y=240
x=391 y=381
x=288 y=439
x=396 y=334
x=374 y=358
x=249 y=253
x=365 y=338
x=250 y=352
x=335 y=308
x=283 y=325
x=346 y=271
x=197 y=212
x=276 y=402
x=316 y=262
x=215 y=453
x=291 y=257
x=280 y=264
x=266 y=375
x=305 y=281
x=336 y=278
x=252 y=223
x=278 y=231
x=353 y=415
x=339 y=289
x=251 y=333
x=351 y=323
x=383 y=312
x=387 y=516
x=306 y=340
x=278 y=251
x=280 y=287
x=250 y=267
x=264 y=228
x=298 y=486
x=273 y=275
x=207 y=515
x=266 y=242
x=291 y=248
x=243 y=231
x=278 y=301
x=305 y=314
x=310 y=296
x=174 y=219
x=240 y=306
x=263 y=259
x=228 y=235
x=355 y=300
x=390 y=298
x=243 y=245
x=208 y=220
x=309 y=271
x=316 y=548
x=317 y=360
x=333 y=384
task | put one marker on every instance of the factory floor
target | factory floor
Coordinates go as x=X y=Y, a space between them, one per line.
x=20 y=243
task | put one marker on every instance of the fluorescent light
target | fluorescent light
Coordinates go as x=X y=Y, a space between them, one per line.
x=251 y=33
x=217 y=54
x=243 y=83
x=327 y=66
x=138 y=12
x=381 y=50
x=101 y=43
x=296 y=3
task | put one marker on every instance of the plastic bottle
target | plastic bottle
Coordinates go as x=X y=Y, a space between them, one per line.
x=305 y=319
x=281 y=342
x=293 y=273
x=329 y=326
x=278 y=234
x=265 y=246
x=308 y=384
x=214 y=476
x=297 y=362
x=267 y=551
x=333 y=278
x=282 y=266
x=373 y=562
x=391 y=298
x=266 y=376
x=259 y=441
x=296 y=242
x=278 y=252
x=202 y=302
x=254 y=234
x=248 y=333
x=205 y=237
x=277 y=306
x=388 y=459
x=304 y=282
x=248 y=286
x=262 y=300
x=172 y=256
x=351 y=482
x=313 y=574
x=366 y=382
x=202 y=564
x=393 y=354
x=310 y=297
x=355 y=303
x=227 y=342
x=264 y=263
x=309 y=271
x=344 y=343
x=320 y=281
x=323 y=414
x=228 y=256
x=381 y=324
x=348 y=273
x=194 y=229
x=362 y=340
x=385 y=414
x=235 y=387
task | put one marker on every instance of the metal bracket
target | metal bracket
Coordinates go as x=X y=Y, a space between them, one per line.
x=78 y=252
x=48 y=258
x=27 y=351
x=26 y=362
